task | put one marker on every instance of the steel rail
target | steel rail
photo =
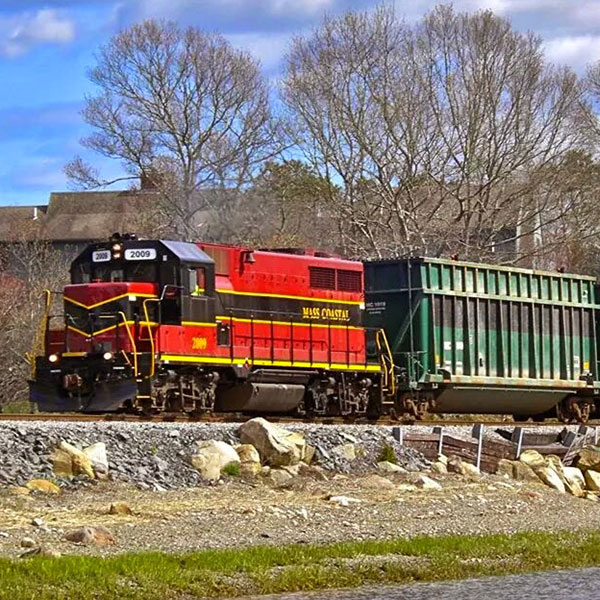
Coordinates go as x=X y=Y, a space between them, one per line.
x=239 y=418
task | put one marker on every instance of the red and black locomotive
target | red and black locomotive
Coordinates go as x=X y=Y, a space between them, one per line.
x=152 y=326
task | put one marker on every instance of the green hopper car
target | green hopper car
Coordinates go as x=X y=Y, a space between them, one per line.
x=486 y=339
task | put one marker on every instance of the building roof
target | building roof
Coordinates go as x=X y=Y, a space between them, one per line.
x=92 y=216
x=21 y=222
x=76 y=216
x=85 y=216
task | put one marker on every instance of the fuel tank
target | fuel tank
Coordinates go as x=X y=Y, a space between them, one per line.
x=254 y=397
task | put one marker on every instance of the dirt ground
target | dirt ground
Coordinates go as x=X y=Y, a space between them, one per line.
x=237 y=513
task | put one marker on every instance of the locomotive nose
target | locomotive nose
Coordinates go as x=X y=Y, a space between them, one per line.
x=97 y=313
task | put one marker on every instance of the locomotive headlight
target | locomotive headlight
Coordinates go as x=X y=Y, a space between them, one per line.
x=117 y=247
x=107 y=356
x=53 y=358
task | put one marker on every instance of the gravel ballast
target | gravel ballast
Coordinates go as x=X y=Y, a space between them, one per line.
x=154 y=455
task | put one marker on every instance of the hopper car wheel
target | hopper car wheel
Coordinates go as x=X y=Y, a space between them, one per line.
x=417 y=407
x=574 y=410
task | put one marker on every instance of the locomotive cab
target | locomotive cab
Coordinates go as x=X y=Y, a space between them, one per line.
x=178 y=274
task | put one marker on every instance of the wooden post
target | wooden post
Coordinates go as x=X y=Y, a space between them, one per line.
x=517 y=438
x=440 y=432
x=398 y=434
x=478 y=433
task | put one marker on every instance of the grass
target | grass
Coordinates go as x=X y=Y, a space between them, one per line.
x=262 y=570
x=232 y=469
x=387 y=454
x=17 y=407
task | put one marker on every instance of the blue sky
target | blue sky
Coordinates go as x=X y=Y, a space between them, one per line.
x=47 y=47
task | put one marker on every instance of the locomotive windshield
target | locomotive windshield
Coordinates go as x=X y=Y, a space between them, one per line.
x=107 y=272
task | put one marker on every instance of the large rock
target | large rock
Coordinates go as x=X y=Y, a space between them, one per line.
x=62 y=464
x=592 y=480
x=439 y=467
x=276 y=446
x=386 y=466
x=505 y=468
x=551 y=478
x=250 y=460
x=426 y=483
x=81 y=463
x=377 y=482
x=280 y=477
x=247 y=453
x=533 y=459
x=98 y=536
x=470 y=470
x=457 y=465
x=553 y=462
x=211 y=457
x=589 y=458
x=42 y=485
x=120 y=508
x=523 y=472
x=345 y=451
x=98 y=457
x=309 y=454
x=574 y=481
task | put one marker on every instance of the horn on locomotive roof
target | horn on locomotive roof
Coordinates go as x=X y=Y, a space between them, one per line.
x=117 y=237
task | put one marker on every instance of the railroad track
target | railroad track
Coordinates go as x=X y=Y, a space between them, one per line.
x=239 y=418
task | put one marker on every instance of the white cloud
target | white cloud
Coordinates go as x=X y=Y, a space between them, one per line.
x=310 y=7
x=576 y=51
x=20 y=33
x=269 y=48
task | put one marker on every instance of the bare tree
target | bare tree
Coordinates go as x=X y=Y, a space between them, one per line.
x=28 y=266
x=286 y=206
x=592 y=87
x=182 y=109
x=437 y=133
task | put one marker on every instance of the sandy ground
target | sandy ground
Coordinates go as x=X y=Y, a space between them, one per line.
x=237 y=513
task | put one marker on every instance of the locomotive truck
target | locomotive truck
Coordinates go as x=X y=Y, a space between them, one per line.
x=165 y=326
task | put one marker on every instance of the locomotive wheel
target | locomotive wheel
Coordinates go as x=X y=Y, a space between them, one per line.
x=521 y=418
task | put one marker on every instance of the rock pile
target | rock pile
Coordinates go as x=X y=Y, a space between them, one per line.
x=46 y=456
x=582 y=480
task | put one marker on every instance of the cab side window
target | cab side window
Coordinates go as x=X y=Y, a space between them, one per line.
x=192 y=276
x=197 y=281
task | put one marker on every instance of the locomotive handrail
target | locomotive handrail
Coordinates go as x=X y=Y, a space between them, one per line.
x=150 y=335
x=42 y=333
x=132 y=340
x=287 y=317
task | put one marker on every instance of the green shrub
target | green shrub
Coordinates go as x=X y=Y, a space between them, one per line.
x=387 y=454
x=232 y=469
